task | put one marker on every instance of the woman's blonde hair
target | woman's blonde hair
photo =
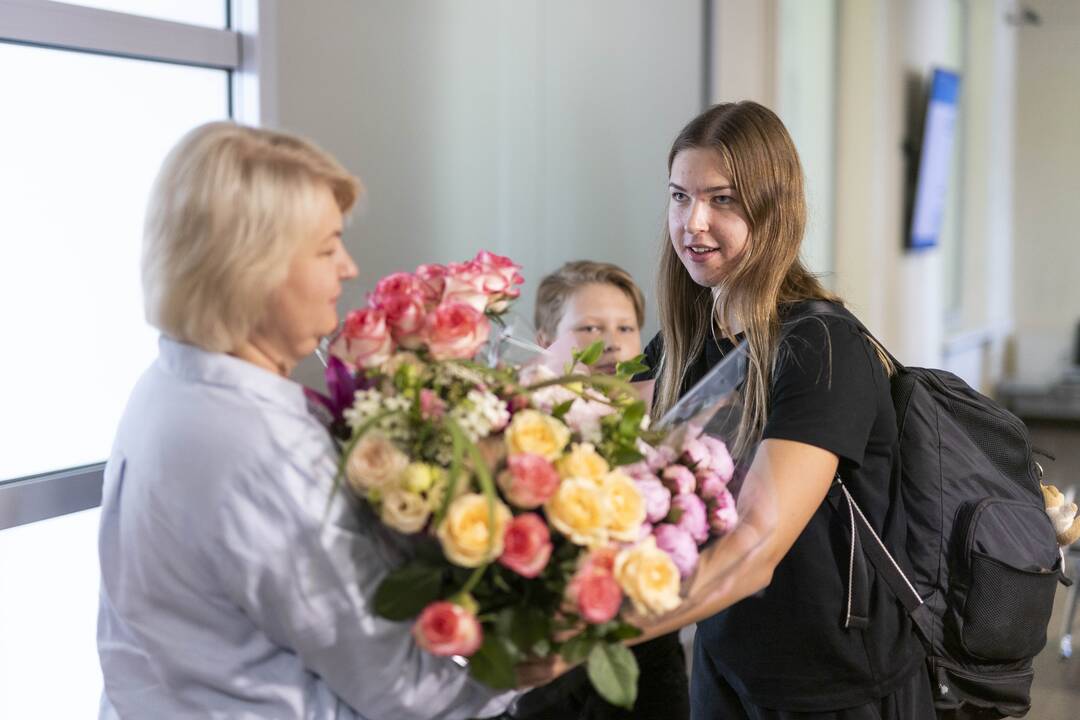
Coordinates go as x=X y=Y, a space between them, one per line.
x=556 y=287
x=227 y=212
x=760 y=159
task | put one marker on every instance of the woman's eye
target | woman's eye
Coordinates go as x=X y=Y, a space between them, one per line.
x=679 y=196
x=588 y=328
x=627 y=329
x=723 y=199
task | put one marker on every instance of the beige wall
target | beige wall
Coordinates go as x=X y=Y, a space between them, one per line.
x=1046 y=259
x=538 y=128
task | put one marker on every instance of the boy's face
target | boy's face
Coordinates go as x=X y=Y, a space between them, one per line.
x=599 y=311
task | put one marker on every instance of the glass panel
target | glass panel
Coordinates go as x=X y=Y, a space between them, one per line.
x=81 y=139
x=48 y=619
x=211 y=13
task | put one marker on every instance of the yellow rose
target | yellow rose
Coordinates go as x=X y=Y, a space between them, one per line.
x=404 y=511
x=374 y=462
x=649 y=577
x=582 y=461
x=578 y=510
x=626 y=506
x=467 y=529
x=534 y=432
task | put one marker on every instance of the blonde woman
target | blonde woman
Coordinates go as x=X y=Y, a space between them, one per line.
x=230 y=588
x=773 y=640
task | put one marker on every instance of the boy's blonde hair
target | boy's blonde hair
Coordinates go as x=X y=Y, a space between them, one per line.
x=227 y=212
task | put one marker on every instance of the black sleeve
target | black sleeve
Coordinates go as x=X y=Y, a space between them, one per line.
x=825 y=389
x=653 y=351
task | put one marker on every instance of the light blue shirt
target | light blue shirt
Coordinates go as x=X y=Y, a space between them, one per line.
x=233 y=586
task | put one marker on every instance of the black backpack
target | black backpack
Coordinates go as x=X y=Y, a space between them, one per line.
x=984 y=560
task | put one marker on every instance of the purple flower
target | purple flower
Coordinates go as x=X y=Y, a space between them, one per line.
x=678 y=479
x=657 y=498
x=638 y=471
x=688 y=513
x=710 y=484
x=720 y=461
x=677 y=543
x=722 y=513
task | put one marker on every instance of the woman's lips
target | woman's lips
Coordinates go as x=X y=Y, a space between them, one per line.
x=699 y=257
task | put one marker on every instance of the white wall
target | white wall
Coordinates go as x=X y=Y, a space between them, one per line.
x=538 y=129
x=1046 y=260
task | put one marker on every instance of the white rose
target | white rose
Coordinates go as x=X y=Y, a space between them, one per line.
x=374 y=462
x=404 y=511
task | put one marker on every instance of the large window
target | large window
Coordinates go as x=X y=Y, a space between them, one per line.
x=83 y=136
x=95 y=93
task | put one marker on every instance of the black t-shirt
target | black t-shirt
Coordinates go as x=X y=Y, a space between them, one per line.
x=786 y=648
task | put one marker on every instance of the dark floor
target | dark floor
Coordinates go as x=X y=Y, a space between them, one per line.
x=1056 y=693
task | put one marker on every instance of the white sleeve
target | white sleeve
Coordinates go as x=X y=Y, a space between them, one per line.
x=306 y=573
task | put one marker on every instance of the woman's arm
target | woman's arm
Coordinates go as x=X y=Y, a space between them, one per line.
x=785 y=485
x=306 y=574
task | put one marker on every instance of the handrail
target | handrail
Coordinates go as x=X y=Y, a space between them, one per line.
x=49 y=495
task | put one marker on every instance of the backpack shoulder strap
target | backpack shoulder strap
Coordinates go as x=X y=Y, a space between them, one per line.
x=817 y=308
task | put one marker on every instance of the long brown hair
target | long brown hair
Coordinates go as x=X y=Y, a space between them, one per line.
x=763 y=165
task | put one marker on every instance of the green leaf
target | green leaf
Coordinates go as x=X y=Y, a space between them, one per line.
x=577 y=648
x=493 y=664
x=591 y=354
x=562 y=408
x=623 y=631
x=626 y=456
x=407 y=591
x=633 y=414
x=630 y=368
x=613 y=671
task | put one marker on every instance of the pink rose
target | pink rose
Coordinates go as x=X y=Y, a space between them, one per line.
x=444 y=628
x=677 y=543
x=657 y=498
x=678 y=479
x=432 y=407
x=393 y=285
x=504 y=266
x=696 y=453
x=720 y=460
x=455 y=331
x=528 y=480
x=594 y=593
x=500 y=276
x=365 y=340
x=405 y=314
x=722 y=513
x=431 y=280
x=658 y=458
x=465 y=284
x=710 y=484
x=688 y=512
x=526 y=545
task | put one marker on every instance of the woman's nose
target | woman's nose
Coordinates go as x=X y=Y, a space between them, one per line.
x=347 y=269
x=698 y=220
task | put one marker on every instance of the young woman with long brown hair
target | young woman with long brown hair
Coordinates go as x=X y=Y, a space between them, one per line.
x=774 y=638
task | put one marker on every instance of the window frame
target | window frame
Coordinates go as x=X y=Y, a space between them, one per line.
x=244 y=49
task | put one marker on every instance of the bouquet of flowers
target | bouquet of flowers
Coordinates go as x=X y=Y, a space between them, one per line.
x=542 y=504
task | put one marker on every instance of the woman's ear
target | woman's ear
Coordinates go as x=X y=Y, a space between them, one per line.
x=542 y=339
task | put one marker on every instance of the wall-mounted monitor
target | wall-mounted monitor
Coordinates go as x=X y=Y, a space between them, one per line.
x=935 y=161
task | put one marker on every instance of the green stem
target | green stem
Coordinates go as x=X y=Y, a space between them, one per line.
x=474 y=579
